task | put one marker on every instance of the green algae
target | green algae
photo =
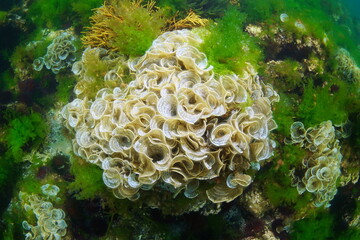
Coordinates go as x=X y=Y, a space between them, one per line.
x=55 y=14
x=88 y=180
x=288 y=74
x=82 y=10
x=322 y=226
x=284 y=113
x=228 y=47
x=7 y=80
x=321 y=20
x=139 y=25
x=277 y=182
x=9 y=172
x=127 y=27
x=204 y=8
x=25 y=54
x=26 y=130
x=350 y=234
x=314 y=228
x=3 y=16
x=64 y=89
x=318 y=104
x=50 y=13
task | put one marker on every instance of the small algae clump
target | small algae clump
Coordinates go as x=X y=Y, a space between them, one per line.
x=88 y=180
x=347 y=66
x=64 y=88
x=49 y=221
x=3 y=16
x=277 y=183
x=192 y=20
x=321 y=169
x=288 y=73
x=60 y=54
x=176 y=125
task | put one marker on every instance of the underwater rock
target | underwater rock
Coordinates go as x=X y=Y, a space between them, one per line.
x=87 y=218
x=282 y=44
x=267 y=235
x=60 y=165
x=234 y=218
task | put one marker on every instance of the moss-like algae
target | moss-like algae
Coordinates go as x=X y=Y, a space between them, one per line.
x=3 y=16
x=27 y=129
x=288 y=74
x=140 y=26
x=322 y=226
x=7 y=81
x=283 y=114
x=228 y=47
x=277 y=182
x=88 y=180
x=64 y=89
x=204 y=8
x=55 y=14
x=319 y=104
x=313 y=228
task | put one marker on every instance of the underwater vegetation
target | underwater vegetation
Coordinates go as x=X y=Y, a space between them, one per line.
x=323 y=165
x=224 y=119
x=118 y=24
x=142 y=134
x=25 y=130
x=50 y=222
x=57 y=14
x=60 y=54
x=228 y=47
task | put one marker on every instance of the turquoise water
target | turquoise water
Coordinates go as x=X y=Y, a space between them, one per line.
x=179 y=119
x=353 y=7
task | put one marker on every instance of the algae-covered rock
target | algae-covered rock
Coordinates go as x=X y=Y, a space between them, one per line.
x=347 y=66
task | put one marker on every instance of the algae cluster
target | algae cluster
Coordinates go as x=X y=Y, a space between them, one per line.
x=175 y=124
x=224 y=119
